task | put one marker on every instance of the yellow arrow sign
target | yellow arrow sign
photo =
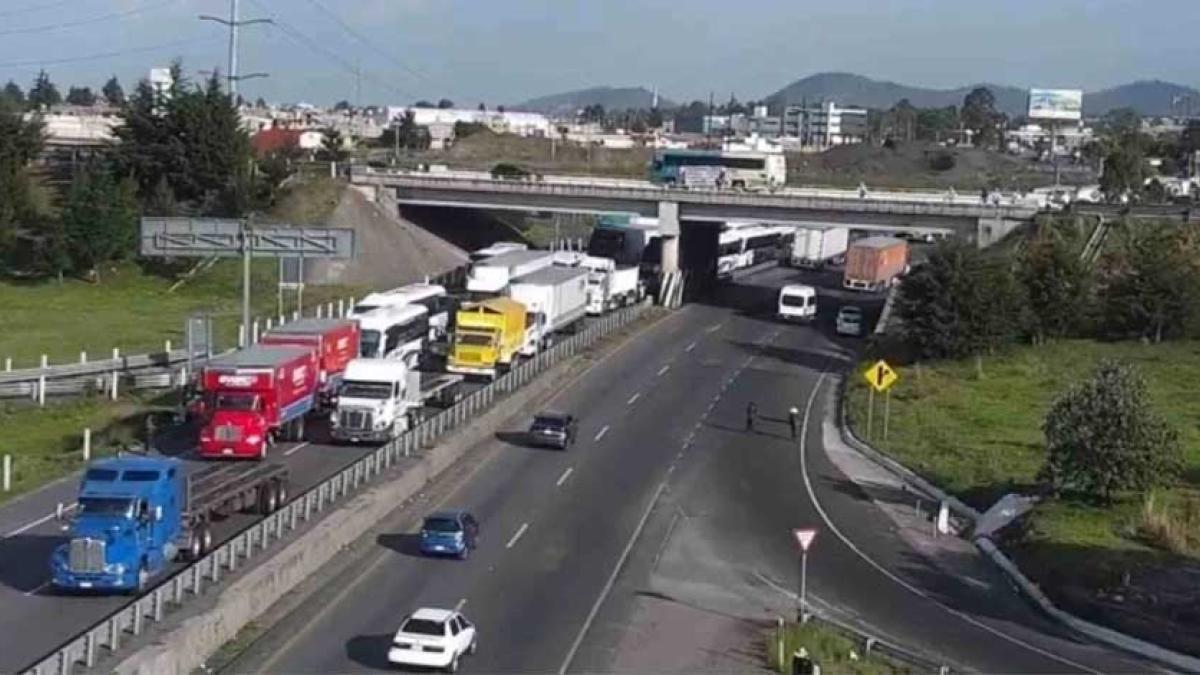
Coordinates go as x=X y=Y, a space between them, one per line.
x=881 y=376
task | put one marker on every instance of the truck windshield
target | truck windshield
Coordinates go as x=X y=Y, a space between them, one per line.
x=474 y=339
x=106 y=506
x=237 y=402
x=357 y=389
x=369 y=343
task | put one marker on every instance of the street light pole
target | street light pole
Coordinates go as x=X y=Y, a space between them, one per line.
x=234 y=23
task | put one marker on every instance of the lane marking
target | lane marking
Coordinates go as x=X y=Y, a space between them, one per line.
x=301 y=446
x=39 y=521
x=664 y=369
x=563 y=478
x=633 y=398
x=520 y=531
x=690 y=347
x=612 y=579
x=714 y=328
x=38 y=589
x=812 y=496
x=601 y=433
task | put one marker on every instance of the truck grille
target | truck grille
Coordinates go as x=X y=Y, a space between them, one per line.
x=86 y=555
x=228 y=432
x=355 y=419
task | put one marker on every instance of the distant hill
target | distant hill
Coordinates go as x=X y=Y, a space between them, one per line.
x=850 y=89
x=612 y=98
x=1150 y=97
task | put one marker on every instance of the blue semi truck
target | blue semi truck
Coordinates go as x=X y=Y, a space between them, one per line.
x=136 y=514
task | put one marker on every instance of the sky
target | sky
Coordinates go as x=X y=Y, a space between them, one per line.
x=507 y=51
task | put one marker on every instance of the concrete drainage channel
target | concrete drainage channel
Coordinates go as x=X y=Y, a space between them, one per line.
x=361 y=500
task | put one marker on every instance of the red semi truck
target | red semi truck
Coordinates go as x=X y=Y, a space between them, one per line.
x=874 y=263
x=336 y=344
x=257 y=394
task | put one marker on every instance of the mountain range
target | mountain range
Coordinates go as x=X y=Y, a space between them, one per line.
x=1148 y=97
x=612 y=98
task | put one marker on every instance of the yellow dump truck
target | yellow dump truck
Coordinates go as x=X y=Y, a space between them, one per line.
x=487 y=337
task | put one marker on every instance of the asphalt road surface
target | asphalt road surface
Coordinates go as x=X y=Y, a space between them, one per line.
x=667 y=495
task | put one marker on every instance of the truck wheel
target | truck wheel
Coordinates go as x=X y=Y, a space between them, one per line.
x=195 y=549
x=262 y=450
x=206 y=538
x=143 y=578
x=267 y=499
x=299 y=430
x=282 y=491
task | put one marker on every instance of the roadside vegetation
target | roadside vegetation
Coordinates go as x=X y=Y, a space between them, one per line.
x=829 y=648
x=1040 y=370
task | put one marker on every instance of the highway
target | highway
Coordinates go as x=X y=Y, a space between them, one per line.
x=667 y=499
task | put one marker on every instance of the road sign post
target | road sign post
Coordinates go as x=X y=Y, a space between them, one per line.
x=804 y=537
x=881 y=377
x=205 y=237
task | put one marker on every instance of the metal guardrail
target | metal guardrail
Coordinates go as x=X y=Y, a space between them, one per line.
x=894 y=652
x=186 y=584
x=897 y=203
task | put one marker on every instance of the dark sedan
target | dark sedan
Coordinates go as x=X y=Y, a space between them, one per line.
x=553 y=429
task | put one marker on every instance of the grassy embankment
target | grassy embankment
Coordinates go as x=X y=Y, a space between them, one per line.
x=977 y=433
x=135 y=311
x=827 y=647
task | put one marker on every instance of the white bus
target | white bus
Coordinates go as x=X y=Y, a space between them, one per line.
x=394 y=333
x=743 y=245
x=432 y=297
x=740 y=170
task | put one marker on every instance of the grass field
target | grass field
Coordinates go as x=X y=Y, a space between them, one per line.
x=977 y=433
x=828 y=648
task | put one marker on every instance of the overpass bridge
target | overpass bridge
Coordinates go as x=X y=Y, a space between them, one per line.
x=981 y=222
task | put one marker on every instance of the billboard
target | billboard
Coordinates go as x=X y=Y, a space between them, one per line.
x=1056 y=104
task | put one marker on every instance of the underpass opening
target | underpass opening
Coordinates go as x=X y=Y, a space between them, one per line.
x=698 y=252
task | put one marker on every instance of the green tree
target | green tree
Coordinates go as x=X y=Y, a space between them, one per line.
x=12 y=98
x=100 y=220
x=190 y=135
x=1121 y=122
x=979 y=115
x=1124 y=169
x=936 y=124
x=81 y=96
x=43 y=92
x=260 y=103
x=1150 y=281
x=113 y=93
x=959 y=303
x=342 y=105
x=445 y=104
x=1056 y=282
x=423 y=104
x=20 y=143
x=1103 y=438
x=332 y=145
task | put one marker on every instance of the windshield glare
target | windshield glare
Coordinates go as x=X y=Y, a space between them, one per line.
x=106 y=506
x=376 y=390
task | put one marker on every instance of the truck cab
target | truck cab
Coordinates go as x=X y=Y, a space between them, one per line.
x=125 y=527
x=373 y=402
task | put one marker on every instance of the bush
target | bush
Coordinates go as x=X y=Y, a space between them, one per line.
x=1103 y=438
x=942 y=161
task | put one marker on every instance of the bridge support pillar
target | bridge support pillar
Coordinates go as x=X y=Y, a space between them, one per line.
x=668 y=223
x=991 y=230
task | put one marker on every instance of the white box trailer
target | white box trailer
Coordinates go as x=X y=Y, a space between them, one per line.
x=817 y=247
x=555 y=298
x=610 y=286
x=493 y=275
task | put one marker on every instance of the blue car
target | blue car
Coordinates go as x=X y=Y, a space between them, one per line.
x=453 y=533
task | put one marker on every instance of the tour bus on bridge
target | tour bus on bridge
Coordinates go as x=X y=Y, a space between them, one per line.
x=740 y=170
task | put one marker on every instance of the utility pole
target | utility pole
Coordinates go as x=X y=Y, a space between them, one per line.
x=234 y=23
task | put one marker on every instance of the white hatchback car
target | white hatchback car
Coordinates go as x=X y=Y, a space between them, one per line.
x=433 y=638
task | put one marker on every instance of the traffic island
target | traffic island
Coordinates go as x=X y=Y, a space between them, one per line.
x=816 y=646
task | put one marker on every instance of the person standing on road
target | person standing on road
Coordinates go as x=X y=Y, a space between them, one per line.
x=751 y=413
x=794 y=420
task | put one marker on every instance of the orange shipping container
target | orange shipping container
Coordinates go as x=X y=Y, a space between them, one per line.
x=873 y=262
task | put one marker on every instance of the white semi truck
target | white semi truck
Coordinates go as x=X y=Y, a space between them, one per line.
x=610 y=286
x=379 y=399
x=555 y=298
x=817 y=247
x=491 y=276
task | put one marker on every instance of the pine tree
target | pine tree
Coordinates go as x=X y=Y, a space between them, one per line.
x=113 y=93
x=44 y=93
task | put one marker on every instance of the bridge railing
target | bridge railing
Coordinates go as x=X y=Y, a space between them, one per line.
x=815 y=199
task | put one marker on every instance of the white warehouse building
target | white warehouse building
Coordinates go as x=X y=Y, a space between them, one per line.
x=507 y=122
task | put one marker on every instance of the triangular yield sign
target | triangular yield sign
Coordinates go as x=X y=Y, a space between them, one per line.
x=804 y=537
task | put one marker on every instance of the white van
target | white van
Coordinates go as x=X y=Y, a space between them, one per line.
x=797 y=302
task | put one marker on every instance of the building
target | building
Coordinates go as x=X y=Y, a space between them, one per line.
x=825 y=125
x=507 y=122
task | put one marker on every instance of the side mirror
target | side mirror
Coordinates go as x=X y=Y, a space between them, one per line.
x=158 y=514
